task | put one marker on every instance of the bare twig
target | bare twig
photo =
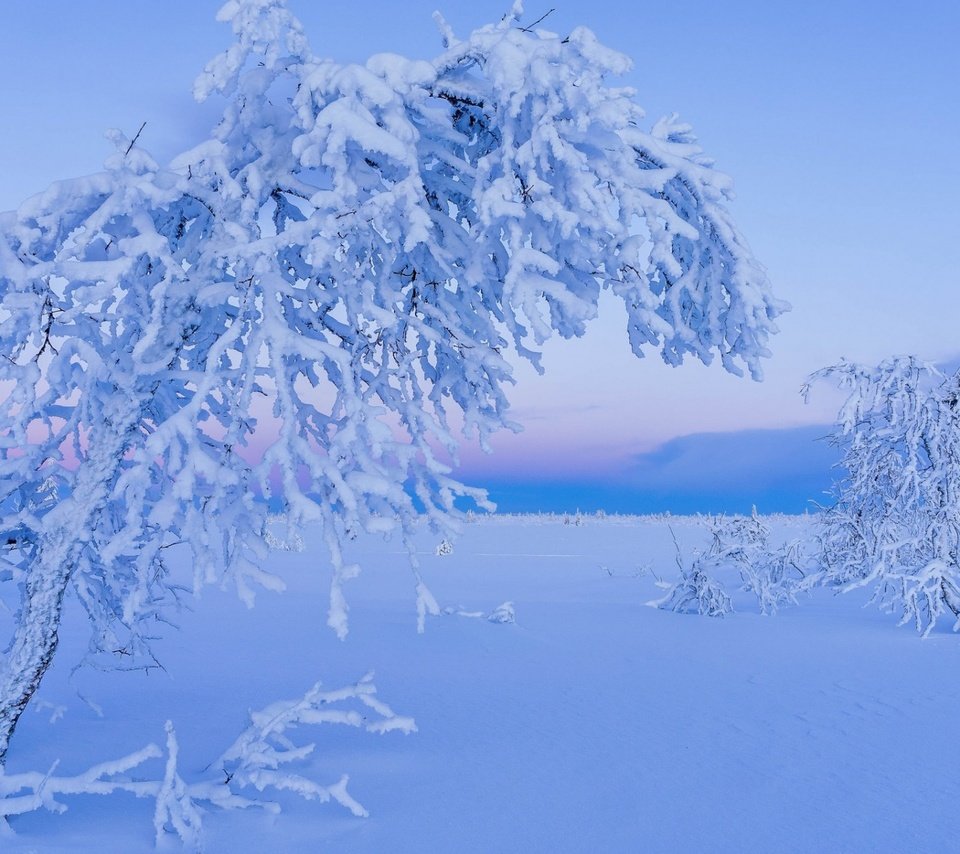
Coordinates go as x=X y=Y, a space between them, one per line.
x=134 y=140
x=539 y=20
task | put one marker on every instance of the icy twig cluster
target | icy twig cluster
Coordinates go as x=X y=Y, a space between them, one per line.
x=257 y=760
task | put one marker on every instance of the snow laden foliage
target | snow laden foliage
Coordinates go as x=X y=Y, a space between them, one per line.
x=258 y=760
x=775 y=575
x=895 y=522
x=300 y=315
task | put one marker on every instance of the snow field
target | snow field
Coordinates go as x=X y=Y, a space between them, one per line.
x=593 y=723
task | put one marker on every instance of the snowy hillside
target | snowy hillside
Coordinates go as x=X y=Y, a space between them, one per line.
x=592 y=723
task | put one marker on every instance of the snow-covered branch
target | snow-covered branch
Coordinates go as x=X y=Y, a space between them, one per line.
x=257 y=760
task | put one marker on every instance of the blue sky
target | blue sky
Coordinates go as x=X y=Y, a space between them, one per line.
x=837 y=120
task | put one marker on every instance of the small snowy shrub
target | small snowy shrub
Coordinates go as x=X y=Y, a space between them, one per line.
x=444 y=549
x=895 y=520
x=773 y=574
x=696 y=592
x=503 y=614
x=776 y=576
x=740 y=543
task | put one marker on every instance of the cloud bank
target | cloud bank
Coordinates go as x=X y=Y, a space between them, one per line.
x=783 y=470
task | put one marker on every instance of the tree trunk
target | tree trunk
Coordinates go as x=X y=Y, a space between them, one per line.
x=67 y=527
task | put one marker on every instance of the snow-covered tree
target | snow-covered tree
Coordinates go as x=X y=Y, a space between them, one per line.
x=297 y=316
x=895 y=522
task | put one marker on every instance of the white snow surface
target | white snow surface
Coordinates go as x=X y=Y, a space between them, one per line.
x=592 y=723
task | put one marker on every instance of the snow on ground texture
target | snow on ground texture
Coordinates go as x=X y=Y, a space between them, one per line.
x=592 y=723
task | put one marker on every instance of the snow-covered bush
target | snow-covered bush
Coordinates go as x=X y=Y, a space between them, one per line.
x=895 y=521
x=345 y=264
x=696 y=592
x=774 y=574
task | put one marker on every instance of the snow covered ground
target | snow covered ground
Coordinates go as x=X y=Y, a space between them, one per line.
x=592 y=724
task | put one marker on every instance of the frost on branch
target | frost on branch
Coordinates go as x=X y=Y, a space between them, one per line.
x=895 y=521
x=175 y=808
x=279 y=536
x=258 y=760
x=920 y=597
x=22 y=793
x=338 y=278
